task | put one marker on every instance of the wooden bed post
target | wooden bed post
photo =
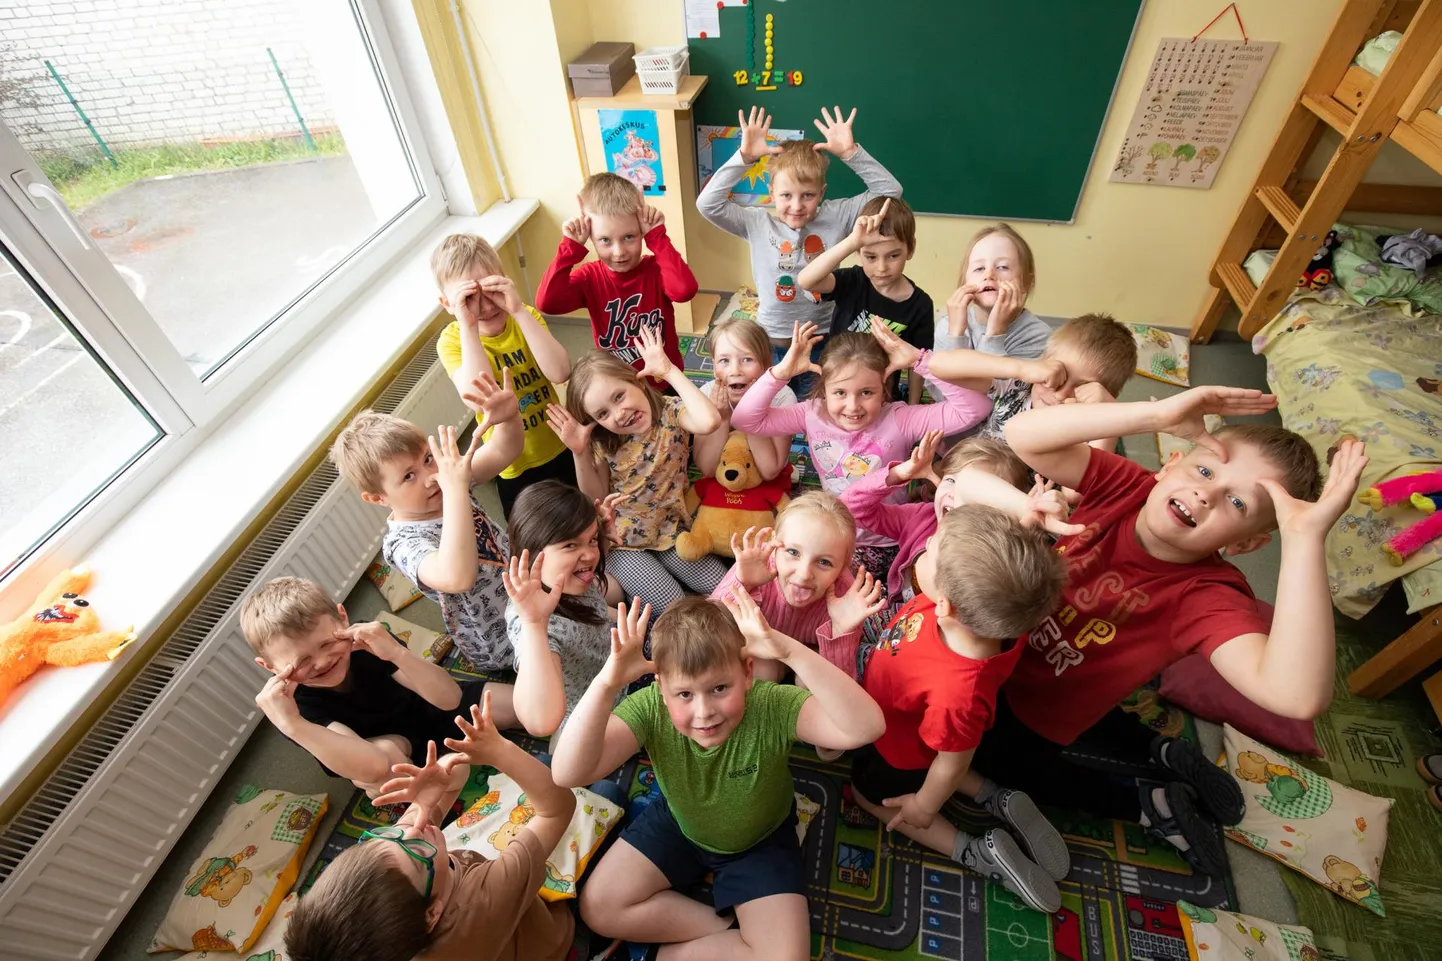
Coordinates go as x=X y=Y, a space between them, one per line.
x=1397 y=663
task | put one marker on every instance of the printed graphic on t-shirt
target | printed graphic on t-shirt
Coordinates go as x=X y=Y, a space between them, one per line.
x=1009 y=398
x=902 y=630
x=1064 y=637
x=623 y=325
x=862 y=323
x=789 y=261
x=837 y=461
x=489 y=550
x=524 y=373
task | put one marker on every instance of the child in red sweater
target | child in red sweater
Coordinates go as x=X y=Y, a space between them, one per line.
x=622 y=289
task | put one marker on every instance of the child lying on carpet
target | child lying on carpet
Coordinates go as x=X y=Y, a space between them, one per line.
x=400 y=894
x=719 y=744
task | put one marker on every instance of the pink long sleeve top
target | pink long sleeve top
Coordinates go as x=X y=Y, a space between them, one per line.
x=811 y=625
x=908 y=524
x=844 y=457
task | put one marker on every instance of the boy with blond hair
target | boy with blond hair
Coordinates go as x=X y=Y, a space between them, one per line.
x=718 y=742
x=801 y=225
x=352 y=695
x=495 y=330
x=884 y=239
x=985 y=580
x=437 y=533
x=1149 y=586
x=400 y=894
x=622 y=289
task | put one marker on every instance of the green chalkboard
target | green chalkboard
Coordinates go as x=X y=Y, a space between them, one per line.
x=985 y=109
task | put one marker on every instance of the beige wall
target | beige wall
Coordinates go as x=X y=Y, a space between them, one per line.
x=1140 y=252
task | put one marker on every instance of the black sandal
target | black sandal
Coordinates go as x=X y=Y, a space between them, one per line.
x=1216 y=788
x=1206 y=852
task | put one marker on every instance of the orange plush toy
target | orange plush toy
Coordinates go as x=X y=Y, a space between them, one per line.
x=59 y=628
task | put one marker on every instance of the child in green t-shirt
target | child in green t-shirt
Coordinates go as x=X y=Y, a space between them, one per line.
x=718 y=743
x=495 y=330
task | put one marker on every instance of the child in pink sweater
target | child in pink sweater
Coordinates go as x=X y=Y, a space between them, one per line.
x=801 y=579
x=851 y=428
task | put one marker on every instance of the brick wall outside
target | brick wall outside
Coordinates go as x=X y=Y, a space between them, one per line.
x=153 y=71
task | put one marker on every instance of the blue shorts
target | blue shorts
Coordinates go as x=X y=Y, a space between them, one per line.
x=770 y=866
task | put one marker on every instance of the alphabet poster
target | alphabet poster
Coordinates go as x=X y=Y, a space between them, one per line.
x=633 y=148
x=1195 y=97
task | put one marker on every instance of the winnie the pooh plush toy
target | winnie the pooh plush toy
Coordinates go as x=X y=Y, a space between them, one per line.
x=735 y=499
x=59 y=628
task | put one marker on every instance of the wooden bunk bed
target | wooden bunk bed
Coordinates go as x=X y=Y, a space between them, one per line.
x=1285 y=211
x=1293 y=215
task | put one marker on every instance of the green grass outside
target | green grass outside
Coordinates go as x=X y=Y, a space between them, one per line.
x=82 y=180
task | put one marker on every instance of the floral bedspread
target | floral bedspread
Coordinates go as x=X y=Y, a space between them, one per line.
x=1371 y=372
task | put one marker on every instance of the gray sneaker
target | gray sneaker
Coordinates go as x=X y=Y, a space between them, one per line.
x=996 y=857
x=1042 y=841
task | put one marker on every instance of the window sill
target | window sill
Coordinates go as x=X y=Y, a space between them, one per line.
x=155 y=556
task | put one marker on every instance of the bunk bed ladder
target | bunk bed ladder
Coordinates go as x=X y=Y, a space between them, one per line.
x=1279 y=197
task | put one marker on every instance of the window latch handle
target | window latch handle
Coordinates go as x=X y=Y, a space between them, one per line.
x=41 y=192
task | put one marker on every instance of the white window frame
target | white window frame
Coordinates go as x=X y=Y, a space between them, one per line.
x=126 y=338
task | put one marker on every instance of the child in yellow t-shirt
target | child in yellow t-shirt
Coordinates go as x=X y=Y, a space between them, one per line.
x=493 y=325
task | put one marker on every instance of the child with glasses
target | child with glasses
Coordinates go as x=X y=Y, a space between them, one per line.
x=400 y=893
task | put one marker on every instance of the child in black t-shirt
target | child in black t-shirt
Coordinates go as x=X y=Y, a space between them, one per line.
x=885 y=237
x=352 y=695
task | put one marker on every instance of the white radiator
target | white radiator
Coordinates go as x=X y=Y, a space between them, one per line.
x=77 y=856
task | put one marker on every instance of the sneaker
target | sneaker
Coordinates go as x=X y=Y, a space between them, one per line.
x=1187 y=828
x=1216 y=789
x=996 y=857
x=1043 y=841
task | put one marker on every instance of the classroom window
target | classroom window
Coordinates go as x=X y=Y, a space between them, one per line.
x=206 y=182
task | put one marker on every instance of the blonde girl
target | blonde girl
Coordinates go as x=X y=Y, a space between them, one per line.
x=740 y=353
x=987 y=312
x=629 y=440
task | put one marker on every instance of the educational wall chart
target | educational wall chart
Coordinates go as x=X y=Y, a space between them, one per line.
x=716 y=145
x=1195 y=97
x=632 y=138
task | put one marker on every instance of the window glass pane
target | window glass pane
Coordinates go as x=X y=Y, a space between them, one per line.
x=66 y=427
x=225 y=154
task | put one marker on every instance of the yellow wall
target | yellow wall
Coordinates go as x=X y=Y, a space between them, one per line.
x=1140 y=252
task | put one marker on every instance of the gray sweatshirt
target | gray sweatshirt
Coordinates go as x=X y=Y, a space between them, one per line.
x=778 y=253
x=1025 y=337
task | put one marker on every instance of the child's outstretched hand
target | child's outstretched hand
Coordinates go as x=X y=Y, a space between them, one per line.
x=956 y=308
x=501 y=291
x=627 y=661
x=1046 y=506
x=920 y=465
x=650 y=218
x=761 y=640
x=480 y=739
x=496 y=403
x=419 y=785
x=899 y=354
x=606 y=518
x=652 y=348
x=838 y=139
x=1010 y=299
x=753 y=556
x=866 y=596
x=523 y=584
x=1184 y=414
x=578 y=228
x=453 y=466
x=1304 y=518
x=868 y=226
x=575 y=435
x=754 y=133
x=804 y=337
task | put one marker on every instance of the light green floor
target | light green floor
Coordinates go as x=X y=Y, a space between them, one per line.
x=270 y=760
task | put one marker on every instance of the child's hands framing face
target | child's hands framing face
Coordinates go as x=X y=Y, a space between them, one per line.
x=804 y=337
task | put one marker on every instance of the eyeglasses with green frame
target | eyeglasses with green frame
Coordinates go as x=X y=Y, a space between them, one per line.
x=417 y=849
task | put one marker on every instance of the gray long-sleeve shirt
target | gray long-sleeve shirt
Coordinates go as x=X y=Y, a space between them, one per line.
x=1025 y=337
x=778 y=253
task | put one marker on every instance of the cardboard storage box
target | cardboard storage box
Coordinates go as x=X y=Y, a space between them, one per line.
x=602 y=70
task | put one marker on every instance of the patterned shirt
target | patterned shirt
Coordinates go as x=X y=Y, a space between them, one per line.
x=582 y=648
x=475 y=618
x=650 y=469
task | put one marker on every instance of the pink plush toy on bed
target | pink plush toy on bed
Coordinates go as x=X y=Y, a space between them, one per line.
x=1422 y=491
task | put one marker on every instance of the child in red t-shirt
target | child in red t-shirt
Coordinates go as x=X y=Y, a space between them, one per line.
x=622 y=289
x=935 y=672
x=1148 y=585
